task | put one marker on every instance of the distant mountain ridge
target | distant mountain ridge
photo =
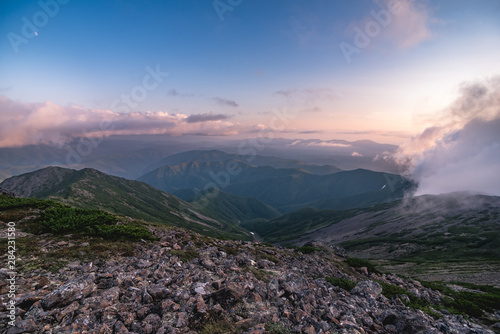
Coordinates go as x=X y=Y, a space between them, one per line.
x=254 y=160
x=285 y=189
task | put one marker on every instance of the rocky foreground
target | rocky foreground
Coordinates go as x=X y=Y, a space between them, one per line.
x=186 y=283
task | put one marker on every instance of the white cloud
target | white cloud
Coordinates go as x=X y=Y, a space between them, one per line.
x=461 y=152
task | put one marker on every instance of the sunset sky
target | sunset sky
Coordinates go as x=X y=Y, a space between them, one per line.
x=66 y=66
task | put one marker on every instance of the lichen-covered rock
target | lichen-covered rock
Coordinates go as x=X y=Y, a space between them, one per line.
x=69 y=292
x=367 y=288
x=230 y=286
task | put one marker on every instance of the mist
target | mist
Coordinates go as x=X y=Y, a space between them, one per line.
x=461 y=152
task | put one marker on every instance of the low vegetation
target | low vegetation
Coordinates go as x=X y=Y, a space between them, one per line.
x=308 y=249
x=185 y=255
x=359 y=263
x=342 y=283
x=64 y=219
x=58 y=219
x=474 y=300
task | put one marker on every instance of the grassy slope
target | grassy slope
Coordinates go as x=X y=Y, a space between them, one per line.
x=89 y=188
x=238 y=209
x=298 y=223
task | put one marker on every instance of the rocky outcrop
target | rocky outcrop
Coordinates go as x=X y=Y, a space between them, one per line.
x=186 y=283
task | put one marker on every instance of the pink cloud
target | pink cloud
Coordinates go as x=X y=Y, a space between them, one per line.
x=49 y=123
x=411 y=25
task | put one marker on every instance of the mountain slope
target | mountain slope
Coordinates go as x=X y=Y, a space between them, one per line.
x=285 y=189
x=236 y=208
x=89 y=188
x=424 y=236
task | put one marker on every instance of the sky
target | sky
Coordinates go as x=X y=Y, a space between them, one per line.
x=383 y=70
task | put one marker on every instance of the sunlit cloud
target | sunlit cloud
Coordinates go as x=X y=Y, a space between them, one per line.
x=207 y=117
x=49 y=123
x=411 y=25
x=320 y=143
x=400 y=23
x=460 y=152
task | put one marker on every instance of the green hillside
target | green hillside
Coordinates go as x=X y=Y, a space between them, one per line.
x=90 y=189
x=236 y=208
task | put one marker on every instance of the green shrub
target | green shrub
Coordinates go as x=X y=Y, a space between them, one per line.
x=308 y=249
x=463 y=305
x=342 y=283
x=467 y=302
x=64 y=219
x=277 y=328
x=391 y=291
x=7 y=202
x=358 y=263
x=185 y=255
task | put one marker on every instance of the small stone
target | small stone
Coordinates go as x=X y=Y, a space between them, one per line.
x=182 y=320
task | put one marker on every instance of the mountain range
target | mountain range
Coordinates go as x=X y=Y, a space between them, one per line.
x=286 y=189
x=133 y=156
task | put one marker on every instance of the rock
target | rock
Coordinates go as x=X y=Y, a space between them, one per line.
x=74 y=290
x=158 y=292
x=245 y=324
x=119 y=327
x=154 y=292
x=200 y=288
x=367 y=288
x=182 y=320
x=258 y=329
x=26 y=300
x=152 y=322
x=228 y=295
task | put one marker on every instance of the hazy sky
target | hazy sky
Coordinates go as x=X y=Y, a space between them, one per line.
x=339 y=69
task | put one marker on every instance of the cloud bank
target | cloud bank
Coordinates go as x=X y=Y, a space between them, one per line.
x=462 y=151
x=48 y=123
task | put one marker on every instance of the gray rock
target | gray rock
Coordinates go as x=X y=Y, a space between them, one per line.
x=74 y=290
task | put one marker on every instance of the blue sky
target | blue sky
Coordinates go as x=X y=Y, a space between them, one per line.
x=262 y=56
